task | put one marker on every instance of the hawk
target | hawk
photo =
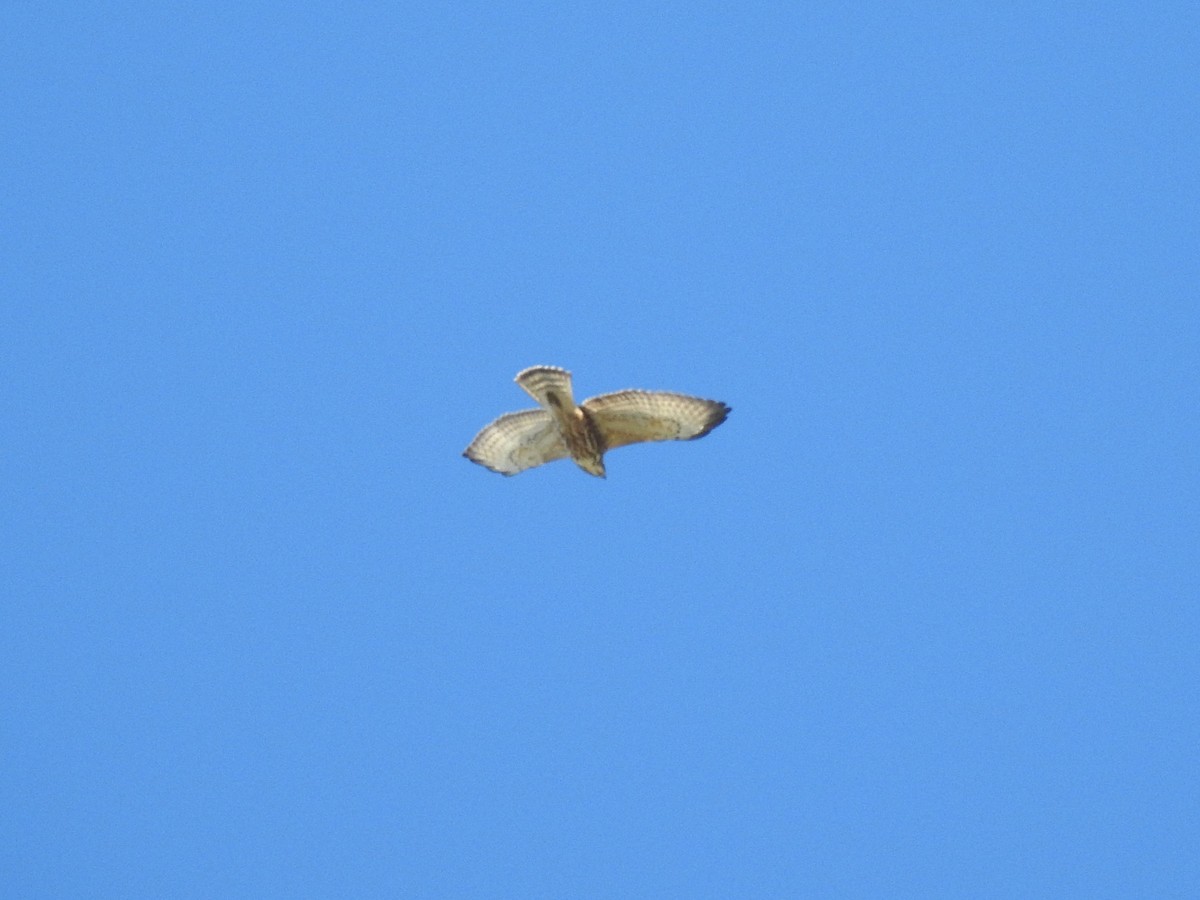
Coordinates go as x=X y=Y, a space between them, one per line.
x=558 y=428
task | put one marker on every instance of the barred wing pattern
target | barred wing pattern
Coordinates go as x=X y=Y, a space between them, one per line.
x=518 y=441
x=631 y=417
x=559 y=429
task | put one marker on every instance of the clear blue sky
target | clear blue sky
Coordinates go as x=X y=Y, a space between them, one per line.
x=919 y=620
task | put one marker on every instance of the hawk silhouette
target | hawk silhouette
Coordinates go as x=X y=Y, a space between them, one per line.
x=559 y=428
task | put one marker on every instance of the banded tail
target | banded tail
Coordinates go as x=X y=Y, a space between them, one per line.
x=550 y=386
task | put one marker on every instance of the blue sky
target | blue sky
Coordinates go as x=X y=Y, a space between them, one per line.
x=919 y=620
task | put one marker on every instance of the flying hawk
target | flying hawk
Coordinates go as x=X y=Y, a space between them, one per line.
x=559 y=428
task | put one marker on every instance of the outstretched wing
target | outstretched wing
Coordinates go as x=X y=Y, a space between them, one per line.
x=630 y=417
x=516 y=442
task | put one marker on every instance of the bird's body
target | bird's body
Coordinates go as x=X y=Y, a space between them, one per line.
x=559 y=428
x=551 y=388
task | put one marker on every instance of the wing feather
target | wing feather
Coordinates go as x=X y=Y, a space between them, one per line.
x=517 y=441
x=631 y=417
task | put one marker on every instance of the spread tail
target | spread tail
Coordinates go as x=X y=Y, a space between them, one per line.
x=550 y=386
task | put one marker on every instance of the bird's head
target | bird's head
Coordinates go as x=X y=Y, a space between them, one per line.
x=593 y=465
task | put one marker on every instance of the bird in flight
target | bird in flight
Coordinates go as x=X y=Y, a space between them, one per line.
x=559 y=428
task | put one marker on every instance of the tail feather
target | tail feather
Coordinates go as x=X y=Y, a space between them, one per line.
x=550 y=386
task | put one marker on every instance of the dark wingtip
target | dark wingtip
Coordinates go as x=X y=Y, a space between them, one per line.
x=480 y=462
x=720 y=414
